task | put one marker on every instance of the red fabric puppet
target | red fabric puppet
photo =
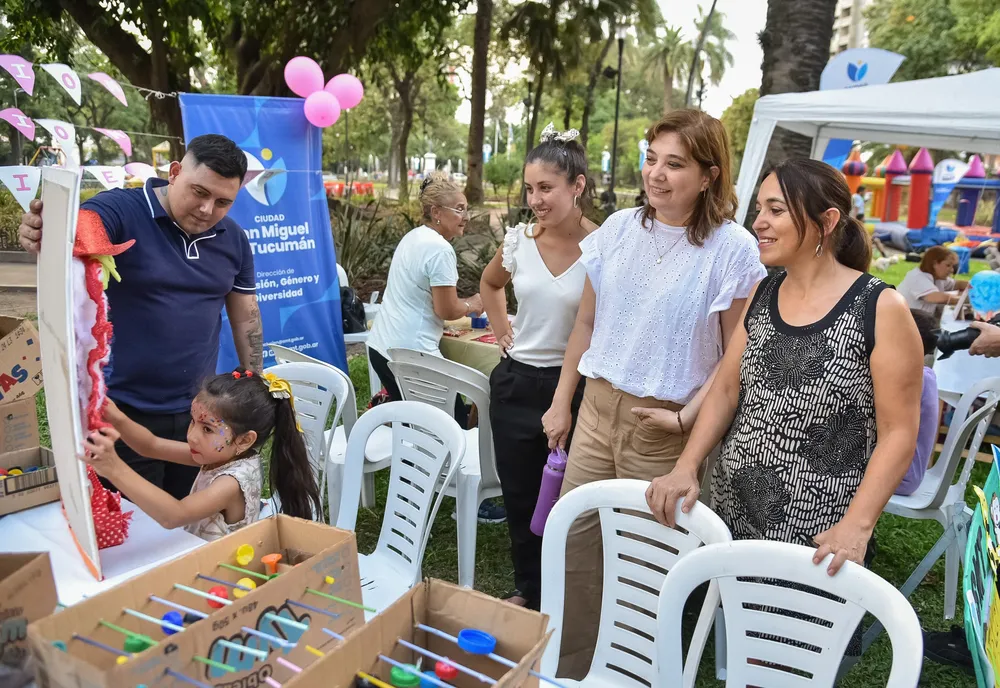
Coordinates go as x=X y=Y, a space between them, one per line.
x=94 y=263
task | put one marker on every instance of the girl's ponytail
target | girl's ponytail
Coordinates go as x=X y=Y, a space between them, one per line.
x=291 y=474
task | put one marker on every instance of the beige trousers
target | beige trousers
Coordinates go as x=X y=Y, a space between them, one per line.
x=609 y=442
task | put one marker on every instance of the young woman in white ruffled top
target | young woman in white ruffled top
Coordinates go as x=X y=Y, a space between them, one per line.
x=543 y=261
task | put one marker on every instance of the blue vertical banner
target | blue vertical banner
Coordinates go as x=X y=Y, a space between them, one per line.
x=283 y=210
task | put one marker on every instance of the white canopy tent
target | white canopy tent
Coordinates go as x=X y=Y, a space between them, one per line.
x=960 y=112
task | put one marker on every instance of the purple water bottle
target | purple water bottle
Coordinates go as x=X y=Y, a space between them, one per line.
x=552 y=477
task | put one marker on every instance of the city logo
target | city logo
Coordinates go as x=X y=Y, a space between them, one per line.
x=266 y=185
x=856 y=71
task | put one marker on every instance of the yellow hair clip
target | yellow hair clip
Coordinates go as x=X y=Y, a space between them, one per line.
x=281 y=389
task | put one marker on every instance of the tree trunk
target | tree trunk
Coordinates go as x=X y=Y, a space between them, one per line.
x=536 y=108
x=588 y=99
x=480 y=58
x=407 y=88
x=668 y=87
x=701 y=44
x=796 y=44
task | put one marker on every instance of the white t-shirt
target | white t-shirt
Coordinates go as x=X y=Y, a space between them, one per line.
x=859 y=204
x=423 y=259
x=917 y=284
x=656 y=327
x=546 y=303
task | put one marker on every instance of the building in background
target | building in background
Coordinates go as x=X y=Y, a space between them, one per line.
x=849 y=26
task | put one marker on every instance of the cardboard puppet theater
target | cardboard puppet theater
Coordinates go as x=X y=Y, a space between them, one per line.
x=75 y=338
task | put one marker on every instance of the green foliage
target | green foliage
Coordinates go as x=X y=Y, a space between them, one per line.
x=365 y=239
x=736 y=119
x=502 y=172
x=10 y=218
x=938 y=37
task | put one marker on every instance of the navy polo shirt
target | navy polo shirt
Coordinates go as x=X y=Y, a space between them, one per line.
x=167 y=310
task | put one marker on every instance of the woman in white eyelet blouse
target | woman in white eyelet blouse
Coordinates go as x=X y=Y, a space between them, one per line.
x=666 y=286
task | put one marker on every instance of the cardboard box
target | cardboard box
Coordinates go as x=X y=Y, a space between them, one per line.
x=18 y=425
x=31 y=488
x=315 y=551
x=27 y=593
x=20 y=360
x=521 y=637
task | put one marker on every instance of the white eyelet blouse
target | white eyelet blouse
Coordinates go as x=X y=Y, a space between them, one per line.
x=656 y=326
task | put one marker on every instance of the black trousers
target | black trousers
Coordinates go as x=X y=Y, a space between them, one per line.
x=380 y=364
x=171 y=477
x=519 y=396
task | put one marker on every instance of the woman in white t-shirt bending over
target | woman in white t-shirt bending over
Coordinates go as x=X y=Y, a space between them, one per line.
x=666 y=286
x=543 y=260
x=926 y=287
x=421 y=290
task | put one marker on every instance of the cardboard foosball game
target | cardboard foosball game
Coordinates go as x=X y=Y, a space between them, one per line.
x=212 y=615
x=27 y=593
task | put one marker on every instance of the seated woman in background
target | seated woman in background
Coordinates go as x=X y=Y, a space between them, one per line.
x=927 y=287
x=421 y=293
x=930 y=409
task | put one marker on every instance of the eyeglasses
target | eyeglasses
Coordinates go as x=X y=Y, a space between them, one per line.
x=458 y=211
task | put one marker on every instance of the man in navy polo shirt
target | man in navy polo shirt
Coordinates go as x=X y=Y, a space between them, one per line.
x=188 y=261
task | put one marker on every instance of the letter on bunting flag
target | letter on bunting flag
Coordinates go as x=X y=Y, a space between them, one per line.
x=22 y=182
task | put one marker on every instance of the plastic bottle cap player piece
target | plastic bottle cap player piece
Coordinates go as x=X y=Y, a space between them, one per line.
x=218 y=591
x=445 y=672
x=244 y=555
x=271 y=562
x=401 y=678
x=174 y=618
x=14 y=471
x=246 y=583
x=134 y=643
x=476 y=642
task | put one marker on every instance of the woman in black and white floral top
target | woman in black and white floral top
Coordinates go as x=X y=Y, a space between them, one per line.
x=819 y=390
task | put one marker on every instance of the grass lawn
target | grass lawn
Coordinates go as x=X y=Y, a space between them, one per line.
x=901 y=545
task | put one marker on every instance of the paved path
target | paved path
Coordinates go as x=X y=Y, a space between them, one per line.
x=18 y=276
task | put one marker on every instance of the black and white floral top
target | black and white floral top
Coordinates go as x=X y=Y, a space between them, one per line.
x=805 y=425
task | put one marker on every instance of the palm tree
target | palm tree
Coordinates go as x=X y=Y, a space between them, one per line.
x=480 y=55
x=796 y=44
x=668 y=55
x=536 y=25
x=710 y=50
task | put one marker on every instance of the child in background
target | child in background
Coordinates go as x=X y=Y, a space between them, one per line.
x=930 y=411
x=231 y=418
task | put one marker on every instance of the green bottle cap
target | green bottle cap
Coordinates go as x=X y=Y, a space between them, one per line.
x=401 y=678
x=134 y=643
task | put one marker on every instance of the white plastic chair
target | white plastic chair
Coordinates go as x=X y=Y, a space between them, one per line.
x=437 y=381
x=426 y=444
x=938 y=499
x=318 y=388
x=756 y=606
x=378 y=453
x=638 y=553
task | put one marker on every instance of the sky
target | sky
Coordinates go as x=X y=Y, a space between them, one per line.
x=746 y=19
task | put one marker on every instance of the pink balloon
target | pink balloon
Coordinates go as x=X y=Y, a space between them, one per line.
x=347 y=88
x=322 y=109
x=303 y=76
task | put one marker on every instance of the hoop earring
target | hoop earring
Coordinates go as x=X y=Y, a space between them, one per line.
x=576 y=201
x=819 y=249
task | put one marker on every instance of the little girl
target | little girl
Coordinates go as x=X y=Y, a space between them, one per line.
x=231 y=418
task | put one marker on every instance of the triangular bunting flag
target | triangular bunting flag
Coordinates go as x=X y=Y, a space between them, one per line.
x=66 y=77
x=19 y=121
x=141 y=170
x=114 y=88
x=119 y=137
x=21 y=70
x=63 y=136
x=110 y=176
x=22 y=182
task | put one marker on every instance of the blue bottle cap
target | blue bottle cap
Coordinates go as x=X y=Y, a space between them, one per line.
x=476 y=642
x=174 y=618
x=59 y=645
